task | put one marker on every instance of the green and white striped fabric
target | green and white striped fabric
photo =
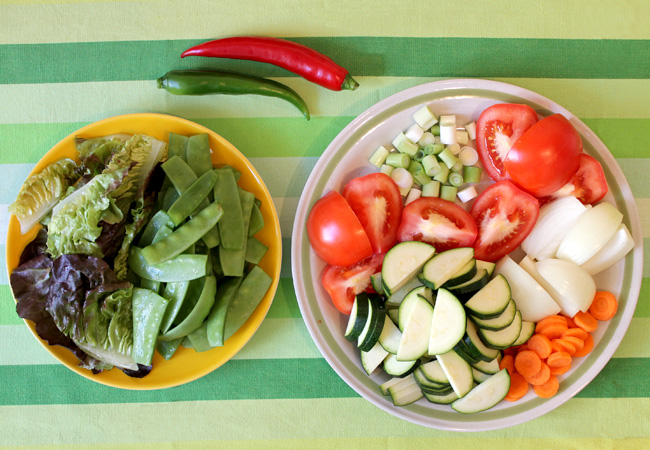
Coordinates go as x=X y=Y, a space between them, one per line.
x=67 y=63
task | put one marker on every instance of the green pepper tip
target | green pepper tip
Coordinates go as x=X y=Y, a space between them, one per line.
x=349 y=83
x=160 y=83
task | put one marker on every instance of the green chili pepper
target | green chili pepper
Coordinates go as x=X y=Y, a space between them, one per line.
x=204 y=82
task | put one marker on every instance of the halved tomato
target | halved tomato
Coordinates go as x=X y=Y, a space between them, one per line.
x=439 y=222
x=590 y=185
x=377 y=203
x=505 y=215
x=344 y=283
x=335 y=233
x=497 y=129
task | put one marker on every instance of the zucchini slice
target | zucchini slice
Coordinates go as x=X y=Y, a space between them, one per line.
x=466 y=273
x=502 y=339
x=489 y=368
x=374 y=325
x=443 y=266
x=403 y=262
x=501 y=321
x=390 y=337
x=447 y=324
x=458 y=371
x=371 y=359
x=416 y=331
x=434 y=373
x=396 y=368
x=358 y=317
x=491 y=300
x=527 y=331
x=441 y=399
x=411 y=298
x=475 y=283
x=485 y=395
x=476 y=346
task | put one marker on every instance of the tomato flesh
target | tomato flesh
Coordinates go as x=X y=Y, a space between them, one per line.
x=335 y=233
x=590 y=185
x=377 y=203
x=344 y=283
x=438 y=222
x=545 y=157
x=497 y=129
x=504 y=215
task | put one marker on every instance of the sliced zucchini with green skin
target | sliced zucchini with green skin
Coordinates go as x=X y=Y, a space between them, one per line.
x=439 y=269
x=405 y=396
x=502 y=339
x=480 y=279
x=487 y=265
x=527 y=331
x=403 y=262
x=447 y=324
x=434 y=373
x=466 y=354
x=491 y=300
x=375 y=282
x=372 y=359
x=441 y=399
x=428 y=386
x=358 y=317
x=485 y=395
x=458 y=371
x=501 y=321
x=408 y=302
x=397 y=297
x=415 y=334
x=489 y=368
x=374 y=325
x=396 y=368
x=466 y=273
x=393 y=314
x=392 y=382
x=390 y=337
x=476 y=346
x=479 y=376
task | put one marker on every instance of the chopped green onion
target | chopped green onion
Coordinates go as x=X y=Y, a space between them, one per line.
x=435 y=130
x=468 y=156
x=397 y=159
x=458 y=167
x=467 y=194
x=413 y=194
x=462 y=137
x=404 y=145
x=454 y=149
x=447 y=157
x=455 y=179
x=448 y=129
x=425 y=118
x=471 y=130
x=433 y=149
x=472 y=174
x=426 y=139
x=414 y=133
x=443 y=175
x=379 y=156
x=419 y=155
x=403 y=179
x=417 y=170
x=448 y=193
x=385 y=168
x=431 y=189
x=431 y=165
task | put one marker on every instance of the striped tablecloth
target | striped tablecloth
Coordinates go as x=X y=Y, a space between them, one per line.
x=67 y=63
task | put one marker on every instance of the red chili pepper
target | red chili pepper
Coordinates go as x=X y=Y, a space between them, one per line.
x=294 y=57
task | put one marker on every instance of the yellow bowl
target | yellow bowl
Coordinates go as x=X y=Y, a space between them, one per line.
x=186 y=365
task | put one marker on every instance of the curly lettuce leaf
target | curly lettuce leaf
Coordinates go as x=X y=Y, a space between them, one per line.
x=42 y=191
x=139 y=217
x=75 y=223
x=96 y=152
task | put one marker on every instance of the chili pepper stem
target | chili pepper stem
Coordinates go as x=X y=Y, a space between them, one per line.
x=349 y=83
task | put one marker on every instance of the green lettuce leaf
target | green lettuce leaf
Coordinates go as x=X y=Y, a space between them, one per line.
x=96 y=152
x=139 y=217
x=42 y=191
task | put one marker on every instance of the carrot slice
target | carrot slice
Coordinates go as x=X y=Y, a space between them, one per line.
x=570 y=323
x=550 y=320
x=559 y=370
x=518 y=387
x=547 y=389
x=604 y=305
x=540 y=377
x=553 y=330
x=586 y=321
x=576 y=332
x=508 y=362
x=541 y=345
x=527 y=363
x=566 y=345
x=577 y=342
x=589 y=346
x=558 y=359
x=556 y=346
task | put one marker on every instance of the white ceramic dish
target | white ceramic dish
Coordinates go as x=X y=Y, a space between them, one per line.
x=347 y=157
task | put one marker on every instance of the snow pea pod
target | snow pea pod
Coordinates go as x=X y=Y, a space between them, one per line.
x=255 y=250
x=158 y=220
x=177 y=145
x=248 y=296
x=198 y=154
x=164 y=231
x=192 y=197
x=148 y=310
x=174 y=292
x=184 y=236
x=168 y=348
x=233 y=261
x=231 y=227
x=181 y=268
x=216 y=321
x=256 y=222
x=198 y=314
x=199 y=339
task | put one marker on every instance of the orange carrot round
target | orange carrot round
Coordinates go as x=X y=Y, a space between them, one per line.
x=553 y=330
x=570 y=323
x=527 y=363
x=541 y=345
x=589 y=345
x=566 y=345
x=547 y=389
x=576 y=332
x=540 y=377
x=558 y=359
x=559 y=370
x=518 y=387
x=508 y=362
x=576 y=342
x=604 y=305
x=585 y=321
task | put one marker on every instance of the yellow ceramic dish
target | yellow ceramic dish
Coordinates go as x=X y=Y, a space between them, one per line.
x=186 y=365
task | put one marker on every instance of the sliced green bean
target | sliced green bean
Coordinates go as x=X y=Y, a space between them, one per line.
x=255 y=250
x=198 y=154
x=160 y=219
x=168 y=348
x=233 y=261
x=184 y=236
x=192 y=197
x=148 y=310
x=198 y=314
x=181 y=268
x=177 y=145
x=217 y=319
x=248 y=296
x=257 y=220
x=175 y=292
x=199 y=339
x=231 y=226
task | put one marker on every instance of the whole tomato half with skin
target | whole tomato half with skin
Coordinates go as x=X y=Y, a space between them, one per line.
x=377 y=203
x=504 y=215
x=335 y=233
x=439 y=222
x=545 y=157
x=344 y=283
x=497 y=129
x=589 y=182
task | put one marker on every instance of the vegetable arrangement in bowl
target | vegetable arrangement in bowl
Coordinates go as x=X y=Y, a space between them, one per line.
x=135 y=236
x=433 y=291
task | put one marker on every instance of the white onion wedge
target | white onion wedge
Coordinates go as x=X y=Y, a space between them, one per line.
x=614 y=250
x=531 y=298
x=554 y=222
x=574 y=287
x=590 y=233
